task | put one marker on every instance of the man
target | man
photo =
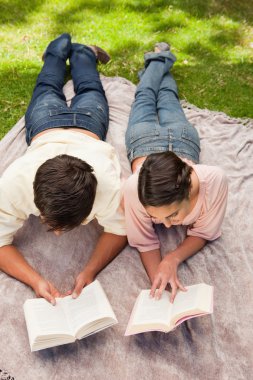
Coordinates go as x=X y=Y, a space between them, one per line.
x=69 y=175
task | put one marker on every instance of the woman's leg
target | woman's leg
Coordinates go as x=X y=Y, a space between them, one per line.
x=89 y=103
x=182 y=137
x=144 y=106
x=49 y=84
x=168 y=105
x=143 y=124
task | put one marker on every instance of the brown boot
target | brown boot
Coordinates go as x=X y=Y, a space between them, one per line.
x=101 y=54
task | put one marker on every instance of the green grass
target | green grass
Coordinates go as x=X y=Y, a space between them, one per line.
x=212 y=39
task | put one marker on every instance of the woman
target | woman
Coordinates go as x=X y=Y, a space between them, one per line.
x=168 y=184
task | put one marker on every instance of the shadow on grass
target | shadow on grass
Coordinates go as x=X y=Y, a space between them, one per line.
x=226 y=88
x=15 y=94
x=198 y=9
x=220 y=86
x=222 y=36
x=237 y=10
x=98 y=6
x=208 y=81
x=17 y=11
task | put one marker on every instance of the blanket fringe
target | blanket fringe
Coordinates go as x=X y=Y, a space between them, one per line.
x=4 y=375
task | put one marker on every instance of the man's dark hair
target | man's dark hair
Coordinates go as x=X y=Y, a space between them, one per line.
x=164 y=178
x=64 y=191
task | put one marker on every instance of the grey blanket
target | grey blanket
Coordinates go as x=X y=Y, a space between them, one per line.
x=211 y=347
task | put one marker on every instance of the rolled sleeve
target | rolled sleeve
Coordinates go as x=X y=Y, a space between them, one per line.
x=140 y=229
x=208 y=225
x=114 y=222
x=11 y=219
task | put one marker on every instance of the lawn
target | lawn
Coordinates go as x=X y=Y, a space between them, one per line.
x=212 y=39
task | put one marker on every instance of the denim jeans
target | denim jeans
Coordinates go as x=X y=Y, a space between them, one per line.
x=157 y=122
x=48 y=109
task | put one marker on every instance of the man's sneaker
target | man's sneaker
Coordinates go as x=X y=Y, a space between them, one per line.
x=161 y=46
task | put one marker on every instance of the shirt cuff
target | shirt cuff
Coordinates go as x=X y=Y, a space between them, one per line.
x=121 y=232
x=147 y=248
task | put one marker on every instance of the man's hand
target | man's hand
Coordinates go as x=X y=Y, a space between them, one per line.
x=166 y=273
x=84 y=278
x=45 y=289
x=13 y=263
x=107 y=248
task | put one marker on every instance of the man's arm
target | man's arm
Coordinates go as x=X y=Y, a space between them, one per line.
x=14 y=264
x=107 y=248
x=167 y=269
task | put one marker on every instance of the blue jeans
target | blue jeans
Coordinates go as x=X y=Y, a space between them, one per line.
x=48 y=108
x=157 y=122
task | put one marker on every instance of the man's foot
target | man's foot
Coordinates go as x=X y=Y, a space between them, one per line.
x=161 y=46
x=100 y=54
x=60 y=46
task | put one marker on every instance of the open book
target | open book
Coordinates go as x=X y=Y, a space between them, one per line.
x=69 y=319
x=150 y=314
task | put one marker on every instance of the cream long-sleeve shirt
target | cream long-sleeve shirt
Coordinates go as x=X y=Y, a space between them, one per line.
x=16 y=183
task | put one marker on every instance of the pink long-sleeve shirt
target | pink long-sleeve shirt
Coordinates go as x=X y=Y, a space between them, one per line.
x=204 y=220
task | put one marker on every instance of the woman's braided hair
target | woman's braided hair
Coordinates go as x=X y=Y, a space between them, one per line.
x=164 y=178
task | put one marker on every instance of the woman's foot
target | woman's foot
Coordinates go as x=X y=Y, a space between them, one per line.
x=161 y=46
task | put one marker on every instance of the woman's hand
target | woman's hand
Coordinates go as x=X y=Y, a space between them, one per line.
x=166 y=273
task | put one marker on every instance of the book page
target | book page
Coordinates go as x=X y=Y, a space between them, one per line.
x=42 y=318
x=197 y=299
x=149 y=310
x=91 y=305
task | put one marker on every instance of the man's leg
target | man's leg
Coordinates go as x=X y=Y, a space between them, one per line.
x=48 y=89
x=89 y=103
x=52 y=75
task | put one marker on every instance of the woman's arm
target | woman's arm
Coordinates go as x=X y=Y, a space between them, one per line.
x=151 y=261
x=167 y=269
